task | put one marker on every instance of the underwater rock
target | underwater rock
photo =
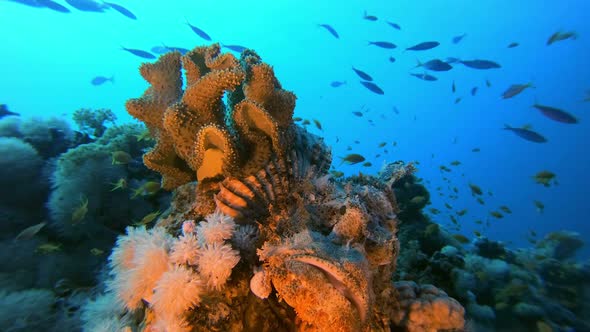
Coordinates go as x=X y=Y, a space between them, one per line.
x=300 y=251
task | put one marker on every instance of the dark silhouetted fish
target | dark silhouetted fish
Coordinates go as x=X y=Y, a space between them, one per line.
x=126 y=12
x=198 y=31
x=372 y=87
x=369 y=17
x=357 y=113
x=453 y=87
x=383 y=44
x=330 y=30
x=516 y=89
x=88 y=5
x=488 y=83
x=5 y=112
x=527 y=134
x=458 y=39
x=30 y=3
x=235 y=48
x=100 y=80
x=480 y=64
x=53 y=6
x=139 y=53
x=394 y=25
x=513 y=45
x=423 y=46
x=395 y=110
x=556 y=114
x=391 y=59
x=336 y=84
x=362 y=74
x=435 y=65
x=474 y=91
x=425 y=77
x=559 y=36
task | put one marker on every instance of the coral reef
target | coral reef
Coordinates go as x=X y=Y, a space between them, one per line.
x=265 y=240
x=92 y=122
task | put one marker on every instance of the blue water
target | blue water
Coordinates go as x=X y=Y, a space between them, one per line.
x=48 y=60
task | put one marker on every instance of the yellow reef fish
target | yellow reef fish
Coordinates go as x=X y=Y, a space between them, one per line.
x=80 y=212
x=475 y=189
x=448 y=206
x=337 y=174
x=477 y=233
x=47 y=248
x=143 y=136
x=461 y=238
x=148 y=188
x=305 y=122
x=505 y=209
x=434 y=211
x=353 y=158
x=120 y=184
x=317 y=124
x=461 y=212
x=29 y=232
x=96 y=251
x=417 y=199
x=455 y=163
x=544 y=178
x=121 y=158
x=148 y=218
x=539 y=205
x=367 y=164
x=496 y=214
x=297 y=119
x=382 y=144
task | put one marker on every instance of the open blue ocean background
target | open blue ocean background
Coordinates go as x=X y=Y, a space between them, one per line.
x=48 y=59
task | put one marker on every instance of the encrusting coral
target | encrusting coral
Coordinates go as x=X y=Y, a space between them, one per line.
x=265 y=241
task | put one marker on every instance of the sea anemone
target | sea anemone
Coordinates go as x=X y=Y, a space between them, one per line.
x=176 y=292
x=184 y=250
x=139 y=264
x=216 y=262
x=216 y=228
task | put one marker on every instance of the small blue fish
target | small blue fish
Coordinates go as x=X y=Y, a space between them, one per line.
x=383 y=44
x=394 y=25
x=100 y=80
x=5 y=112
x=198 y=31
x=139 y=53
x=336 y=84
x=391 y=59
x=527 y=134
x=362 y=74
x=372 y=87
x=423 y=46
x=330 y=30
x=458 y=39
x=235 y=48
x=474 y=91
x=53 y=6
x=480 y=64
x=369 y=17
x=88 y=5
x=160 y=49
x=435 y=65
x=180 y=50
x=121 y=10
x=425 y=77
x=556 y=114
